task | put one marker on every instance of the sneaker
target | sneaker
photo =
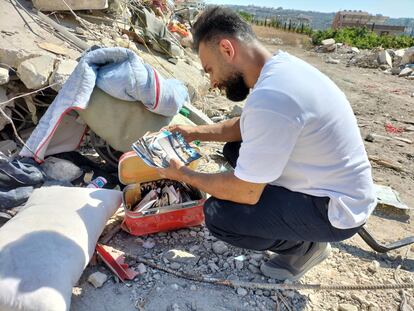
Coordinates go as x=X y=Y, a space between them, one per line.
x=290 y=267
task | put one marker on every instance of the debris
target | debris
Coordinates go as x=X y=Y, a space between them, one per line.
x=242 y=291
x=374 y=266
x=78 y=42
x=97 y=279
x=197 y=116
x=8 y=147
x=384 y=58
x=219 y=247
x=148 y=244
x=392 y=129
x=35 y=72
x=355 y=50
x=328 y=41
x=60 y=169
x=405 y=303
x=4 y=76
x=175 y=255
x=405 y=72
x=142 y=268
x=347 y=307
x=62 y=72
x=386 y=163
x=56 y=49
x=389 y=198
x=50 y=5
x=115 y=261
x=408 y=57
x=14 y=57
x=371 y=137
x=331 y=60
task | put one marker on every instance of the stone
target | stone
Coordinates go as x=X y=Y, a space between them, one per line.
x=355 y=50
x=239 y=265
x=408 y=57
x=175 y=255
x=35 y=72
x=142 y=268
x=331 y=60
x=347 y=307
x=242 y=291
x=384 y=58
x=219 y=247
x=62 y=72
x=405 y=72
x=254 y=269
x=50 y=5
x=399 y=53
x=328 y=41
x=193 y=288
x=149 y=244
x=4 y=76
x=374 y=266
x=97 y=279
x=175 y=266
x=395 y=71
x=175 y=286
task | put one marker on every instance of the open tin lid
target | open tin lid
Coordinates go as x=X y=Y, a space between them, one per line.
x=132 y=169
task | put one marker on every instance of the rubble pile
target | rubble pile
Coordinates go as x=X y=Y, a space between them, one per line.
x=41 y=60
x=396 y=62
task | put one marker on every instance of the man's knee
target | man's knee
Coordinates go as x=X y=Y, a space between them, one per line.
x=211 y=212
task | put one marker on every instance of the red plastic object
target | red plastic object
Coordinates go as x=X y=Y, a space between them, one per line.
x=392 y=129
x=116 y=265
x=133 y=171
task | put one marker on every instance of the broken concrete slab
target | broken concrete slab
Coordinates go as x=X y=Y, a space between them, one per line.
x=62 y=72
x=408 y=57
x=14 y=57
x=197 y=116
x=50 y=5
x=35 y=72
x=4 y=76
x=384 y=58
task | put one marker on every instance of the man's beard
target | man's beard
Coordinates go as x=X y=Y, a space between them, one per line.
x=235 y=87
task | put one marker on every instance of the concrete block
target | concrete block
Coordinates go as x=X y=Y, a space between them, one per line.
x=53 y=5
x=14 y=57
x=97 y=279
x=62 y=72
x=384 y=58
x=4 y=76
x=35 y=72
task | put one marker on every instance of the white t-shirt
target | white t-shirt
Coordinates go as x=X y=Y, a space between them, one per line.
x=299 y=132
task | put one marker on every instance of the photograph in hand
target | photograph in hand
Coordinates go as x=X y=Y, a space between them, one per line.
x=157 y=149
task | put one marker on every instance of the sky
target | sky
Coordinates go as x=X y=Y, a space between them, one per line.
x=391 y=8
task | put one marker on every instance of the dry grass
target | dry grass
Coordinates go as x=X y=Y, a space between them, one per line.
x=288 y=38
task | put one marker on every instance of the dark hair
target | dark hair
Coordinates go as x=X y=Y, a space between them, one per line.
x=216 y=22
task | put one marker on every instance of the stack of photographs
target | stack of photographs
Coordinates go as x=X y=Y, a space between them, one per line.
x=157 y=149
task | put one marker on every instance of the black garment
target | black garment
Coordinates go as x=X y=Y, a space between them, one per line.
x=283 y=221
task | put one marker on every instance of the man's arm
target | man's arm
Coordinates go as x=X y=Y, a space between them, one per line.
x=223 y=186
x=226 y=131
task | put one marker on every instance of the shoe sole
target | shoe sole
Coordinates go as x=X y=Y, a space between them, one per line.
x=290 y=277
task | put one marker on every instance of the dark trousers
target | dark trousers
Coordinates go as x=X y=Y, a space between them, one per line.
x=283 y=221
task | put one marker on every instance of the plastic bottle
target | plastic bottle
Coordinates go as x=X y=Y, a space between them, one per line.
x=98 y=182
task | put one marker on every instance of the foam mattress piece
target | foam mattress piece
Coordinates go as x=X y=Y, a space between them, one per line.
x=45 y=248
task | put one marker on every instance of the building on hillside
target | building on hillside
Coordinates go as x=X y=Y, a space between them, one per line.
x=345 y=19
x=192 y=4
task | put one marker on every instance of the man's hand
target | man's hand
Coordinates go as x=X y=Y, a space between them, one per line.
x=174 y=171
x=187 y=131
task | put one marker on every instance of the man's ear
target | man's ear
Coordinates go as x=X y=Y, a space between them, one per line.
x=227 y=49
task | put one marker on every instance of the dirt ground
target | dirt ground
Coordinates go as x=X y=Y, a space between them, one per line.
x=377 y=98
